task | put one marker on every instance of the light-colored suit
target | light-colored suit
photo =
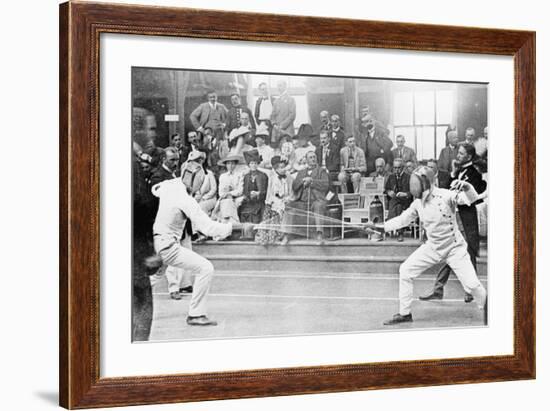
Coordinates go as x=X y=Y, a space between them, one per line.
x=207 y=116
x=283 y=115
x=406 y=153
x=359 y=164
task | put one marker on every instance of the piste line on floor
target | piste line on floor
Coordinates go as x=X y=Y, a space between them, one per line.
x=312 y=297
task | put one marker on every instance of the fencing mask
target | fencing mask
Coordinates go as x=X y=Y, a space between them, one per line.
x=421 y=181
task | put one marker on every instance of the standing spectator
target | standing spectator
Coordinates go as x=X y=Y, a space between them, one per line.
x=352 y=165
x=448 y=154
x=279 y=193
x=464 y=171
x=169 y=167
x=144 y=261
x=235 y=114
x=328 y=155
x=324 y=116
x=398 y=191
x=377 y=143
x=336 y=133
x=402 y=151
x=470 y=135
x=283 y=115
x=254 y=192
x=442 y=179
x=210 y=114
x=264 y=106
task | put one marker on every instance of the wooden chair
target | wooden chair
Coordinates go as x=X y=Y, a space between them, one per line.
x=353 y=210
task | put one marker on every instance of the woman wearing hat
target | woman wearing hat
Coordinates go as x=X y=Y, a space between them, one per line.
x=230 y=191
x=279 y=192
x=254 y=190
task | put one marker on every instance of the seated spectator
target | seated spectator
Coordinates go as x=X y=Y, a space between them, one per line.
x=336 y=133
x=352 y=165
x=410 y=166
x=254 y=193
x=302 y=146
x=177 y=143
x=245 y=122
x=310 y=189
x=279 y=193
x=442 y=179
x=402 y=151
x=168 y=169
x=264 y=150
x=145 y=167
x=380 y=169
x=230 y=191
x=328 y=155
x=236 y=114
x=398 y=192
x=206 y=195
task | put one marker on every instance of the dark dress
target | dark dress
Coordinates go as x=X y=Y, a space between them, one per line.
x=251 y=210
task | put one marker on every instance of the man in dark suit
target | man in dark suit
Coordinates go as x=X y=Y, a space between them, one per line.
x=463 y=170
x=310 y=189
x=398 y=191
x=448 y=154
x=336 y=133
x=377 y=143
x=328 y=156
x=235 y=112
x=442 y=179
x=169 y=167
x=402 y=151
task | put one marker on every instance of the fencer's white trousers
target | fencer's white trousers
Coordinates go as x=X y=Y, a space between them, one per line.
x=424 y=257
x=191 y=263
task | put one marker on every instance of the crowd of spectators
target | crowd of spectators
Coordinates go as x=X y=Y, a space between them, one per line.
x=253 y=167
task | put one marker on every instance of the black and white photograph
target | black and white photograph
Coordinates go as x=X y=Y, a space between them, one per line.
x=287 y=204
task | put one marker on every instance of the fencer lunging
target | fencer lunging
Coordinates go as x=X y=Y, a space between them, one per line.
x=436 y=209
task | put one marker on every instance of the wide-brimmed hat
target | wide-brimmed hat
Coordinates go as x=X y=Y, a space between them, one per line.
x=305 y=132
x=238 y=159
x=195 y=155
x=237 y=132
x=276 y=160
x=251 y=155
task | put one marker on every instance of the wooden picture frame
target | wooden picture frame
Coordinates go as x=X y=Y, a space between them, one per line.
x=80 y=27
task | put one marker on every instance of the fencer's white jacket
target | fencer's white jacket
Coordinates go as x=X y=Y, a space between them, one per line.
x=175 y=207
x=437 y=213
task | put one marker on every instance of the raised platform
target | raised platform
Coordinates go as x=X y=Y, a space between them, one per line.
x=360 y=256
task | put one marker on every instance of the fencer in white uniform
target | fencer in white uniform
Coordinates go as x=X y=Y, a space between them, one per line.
x=176 y=205
x=436 y=208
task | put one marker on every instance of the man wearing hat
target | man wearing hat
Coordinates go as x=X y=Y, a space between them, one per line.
x=436 y=208
x=302 y=146
x=176 y=208
x=254 y=191
x=230 y=190
x=265 y=152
